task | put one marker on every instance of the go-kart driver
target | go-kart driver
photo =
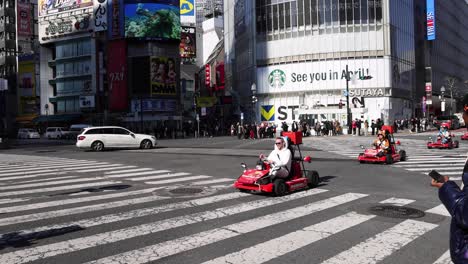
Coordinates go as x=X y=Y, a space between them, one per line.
x=444 y=134
x=280 y=159
x=381 y=144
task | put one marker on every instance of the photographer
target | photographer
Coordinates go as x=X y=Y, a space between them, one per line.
x=455 y=200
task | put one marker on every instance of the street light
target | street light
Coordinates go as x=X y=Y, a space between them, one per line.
x=442 y=103
x=253 y=88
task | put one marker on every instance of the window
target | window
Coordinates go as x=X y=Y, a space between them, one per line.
x=121 y=131
x=94 y=131
x=300 y=12
x=107 y=131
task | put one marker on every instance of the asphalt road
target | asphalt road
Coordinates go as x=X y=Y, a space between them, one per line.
x=175 y=204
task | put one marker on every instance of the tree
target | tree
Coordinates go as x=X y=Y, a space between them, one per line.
x=453 y=89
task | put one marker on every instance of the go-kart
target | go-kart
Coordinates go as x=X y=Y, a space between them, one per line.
x=464 y=136
x=259 y=178
x=393 y=155
x=451 y=143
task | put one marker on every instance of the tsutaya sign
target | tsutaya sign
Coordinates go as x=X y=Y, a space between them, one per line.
x=370 y=92
x=325 y=75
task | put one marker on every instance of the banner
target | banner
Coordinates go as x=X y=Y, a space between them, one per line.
x=188 y=49
x=267 y=112
x=163 y=76
x=207 y=75
x=67 y=26
x=100 y=15
x=117 y=76
x=24 y=19
x=209 y=101
x=47 y=7
x=87 y=102
x=187 y=11
x=154 y=105
x=430 y=20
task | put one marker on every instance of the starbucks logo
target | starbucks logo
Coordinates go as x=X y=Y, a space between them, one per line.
x=277 y=78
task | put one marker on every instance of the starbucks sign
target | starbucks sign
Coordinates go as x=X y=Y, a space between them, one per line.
x=277 y=78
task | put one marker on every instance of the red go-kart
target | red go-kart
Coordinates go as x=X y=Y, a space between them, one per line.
x=451 y=143
x=393 y=155
x=464 y=136
x=259 y=178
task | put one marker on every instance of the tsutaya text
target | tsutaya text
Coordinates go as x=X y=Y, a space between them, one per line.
x=330 y=75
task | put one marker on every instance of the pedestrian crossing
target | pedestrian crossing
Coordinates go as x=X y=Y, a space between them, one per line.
x=420 y=159
x=143 y=225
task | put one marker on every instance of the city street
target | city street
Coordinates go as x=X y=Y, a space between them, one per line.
x=176 y=204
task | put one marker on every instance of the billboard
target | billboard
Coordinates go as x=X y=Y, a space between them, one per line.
x=47 y=7
x=117 y=76
x=187 y=11
x=154 y=105
x=24 y=19
x=188 y=49
x=430 y=19
x=100 y=15
x=155 y=21
x=53 y=28
x=163 y=76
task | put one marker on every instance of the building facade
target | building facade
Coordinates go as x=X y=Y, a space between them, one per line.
x=304 y=50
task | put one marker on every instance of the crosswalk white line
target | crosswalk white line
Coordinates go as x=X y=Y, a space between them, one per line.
x=138 y=173
x=178 y=180
x=126 y=171
x=425 y=159
x=88 y=164
x=32 y=206
x=78 y=210
x=113 y=167
x=444 y=259
x=440 y=210
x=426 y=165
x=112 y=218
x=44 y=180
x=280 y=246
x=441 y=161
x=35 y=253
x=169 y=175
x=383 y=244
x=171 y=247
x=397 y=201
x=42 y=184
x=435 y=168
x=40 y=164
x=59 y=188
x=55 y=173
x=213 y=181
x=8 y=201
x=448 y=173
x=24 y=172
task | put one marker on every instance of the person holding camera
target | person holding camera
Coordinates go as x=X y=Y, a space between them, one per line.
x=455 y=200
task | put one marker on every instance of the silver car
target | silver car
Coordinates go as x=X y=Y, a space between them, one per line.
x=28 y=133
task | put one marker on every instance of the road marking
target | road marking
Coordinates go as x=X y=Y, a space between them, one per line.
x=87 y=164
x=444 y=259
x=435 y=168
x=160 y=176
x=442 y=158
x=125 y=171
x=40 y=252
x=112 y=218
x=214 y=181
x=280 y=246
x=42 y=184
x=26 y=207
x=425 y=165
x=383 y=244
x=434 y=162
x=60 y=169
x=178 y=180
x=55 y=173
x=397 y=201
x=7 y=201
x=107 y=167
x=77 y=210
x=138 y=173
x=440 y=210
x=44 y=180
x=171 y=247
x=60 y=188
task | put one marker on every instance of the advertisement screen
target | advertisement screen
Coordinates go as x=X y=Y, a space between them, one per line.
x=188 y=49
x=148 y=20
x=24 y=19
x=117 y=76
x=47 y=7
x=163 y=76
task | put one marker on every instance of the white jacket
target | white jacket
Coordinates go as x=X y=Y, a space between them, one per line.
x=282 y=157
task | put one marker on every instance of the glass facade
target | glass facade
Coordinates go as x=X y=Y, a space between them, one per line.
x=279 y=19
x=73 y=49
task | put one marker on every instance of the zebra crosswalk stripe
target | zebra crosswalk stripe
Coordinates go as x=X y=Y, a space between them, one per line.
x=383 y=244
x=168 y=248
x=280 y=246
x=444 y=259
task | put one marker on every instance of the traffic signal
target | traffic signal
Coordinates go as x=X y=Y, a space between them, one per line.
x=367 y=77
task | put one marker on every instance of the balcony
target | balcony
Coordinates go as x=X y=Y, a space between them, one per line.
x=51 y=63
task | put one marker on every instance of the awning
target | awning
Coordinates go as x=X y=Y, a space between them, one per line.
x=65 y=118
x=25 y=119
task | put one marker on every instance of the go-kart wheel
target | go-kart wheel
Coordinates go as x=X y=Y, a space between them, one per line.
x=244 y=191
x=279 y=187
x=402 y=155
x=313 y=178
x=388 y=159
x=429 y=147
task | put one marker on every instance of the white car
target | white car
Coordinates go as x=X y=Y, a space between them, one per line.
x=55 y=132
x=28 y=133
x=98 y=138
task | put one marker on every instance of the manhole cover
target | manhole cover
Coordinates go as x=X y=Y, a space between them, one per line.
x=392 y=211
x=186 y=190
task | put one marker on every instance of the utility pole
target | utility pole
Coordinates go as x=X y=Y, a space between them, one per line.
x=348 y=109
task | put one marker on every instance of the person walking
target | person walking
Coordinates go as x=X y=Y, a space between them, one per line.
x=366 y=128
x=359 y=125
x=455 y=200
x=354 y=126
x=373 y=126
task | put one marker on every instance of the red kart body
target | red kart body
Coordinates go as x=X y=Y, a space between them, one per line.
x=465 y=136
x=259 y=179
x=439 y=145
x=393 y=155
